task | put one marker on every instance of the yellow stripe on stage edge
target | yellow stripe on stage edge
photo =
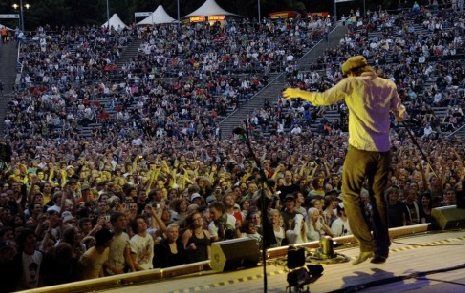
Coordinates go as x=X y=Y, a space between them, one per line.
x=229 y=282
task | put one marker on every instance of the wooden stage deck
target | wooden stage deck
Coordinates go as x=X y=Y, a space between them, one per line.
x=425 y=262
x=419 y=261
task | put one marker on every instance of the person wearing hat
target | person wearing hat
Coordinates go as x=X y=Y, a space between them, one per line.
x=70 y=174
x=370 y=100
x=289 y=212
x=197 y=199
x=86 y=194
x=68 y=217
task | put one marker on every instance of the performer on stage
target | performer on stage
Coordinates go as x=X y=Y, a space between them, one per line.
x=370 y=100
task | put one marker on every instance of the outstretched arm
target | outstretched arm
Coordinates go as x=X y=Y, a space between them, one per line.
x=339 y=91
x=294 y=93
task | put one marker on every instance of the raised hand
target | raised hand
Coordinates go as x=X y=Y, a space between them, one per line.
x=291 y=93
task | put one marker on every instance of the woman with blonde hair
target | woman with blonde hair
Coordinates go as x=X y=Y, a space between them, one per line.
x=316 y=225
x=277 y=223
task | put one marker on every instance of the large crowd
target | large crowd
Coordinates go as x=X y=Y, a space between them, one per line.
x=192 y=78
x=148 y=191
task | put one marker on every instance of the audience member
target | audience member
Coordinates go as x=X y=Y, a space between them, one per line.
x=340 y=226
x=169 y=252
x=92 y=263
x=196 y=239
x=142 y=245
x=223 y=225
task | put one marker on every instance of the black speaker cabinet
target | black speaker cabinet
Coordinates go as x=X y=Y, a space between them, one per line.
x=461 y=198
x=448 y=217
x=232 y=254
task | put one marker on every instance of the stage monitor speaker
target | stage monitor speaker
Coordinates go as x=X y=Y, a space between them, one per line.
x=448 y=217
x=232 y=254
x=460 y=195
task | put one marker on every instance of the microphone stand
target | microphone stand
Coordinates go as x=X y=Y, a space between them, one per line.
x=263 y=204
x=415 y=142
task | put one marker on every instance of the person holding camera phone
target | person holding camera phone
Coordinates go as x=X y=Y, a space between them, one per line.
x=223 y=226
x=370 y=100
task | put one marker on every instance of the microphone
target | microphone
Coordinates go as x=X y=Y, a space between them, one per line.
x=239 y=131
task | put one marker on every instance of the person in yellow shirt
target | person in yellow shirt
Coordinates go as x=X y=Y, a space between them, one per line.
x=370 y=100
x=93 y=261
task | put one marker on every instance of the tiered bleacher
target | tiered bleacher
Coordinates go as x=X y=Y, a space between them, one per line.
x=92 y=145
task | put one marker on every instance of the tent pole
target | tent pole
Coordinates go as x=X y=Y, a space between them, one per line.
x=179 y=18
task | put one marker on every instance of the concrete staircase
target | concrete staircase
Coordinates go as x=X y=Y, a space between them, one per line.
x=271 y=91
x=458 y=132
x=8 y=74
x=86 y=131
x=441 y=113
x=129 y=52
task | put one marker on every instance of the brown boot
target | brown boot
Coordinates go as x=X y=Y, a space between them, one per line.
x=363 y=256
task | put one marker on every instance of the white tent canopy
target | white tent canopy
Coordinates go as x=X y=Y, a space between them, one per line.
x=208 y=8
x=158 y=16
x=115 y=22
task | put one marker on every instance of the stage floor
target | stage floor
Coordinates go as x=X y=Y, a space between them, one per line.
x=426 y=262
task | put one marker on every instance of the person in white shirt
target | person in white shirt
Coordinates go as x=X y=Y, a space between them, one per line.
x=340 y=226
x=142 y=245
x=223 y=226
x=296 y=129
x=427 y=131
x=120 y=251
x=297 y=234
x=316 y=225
